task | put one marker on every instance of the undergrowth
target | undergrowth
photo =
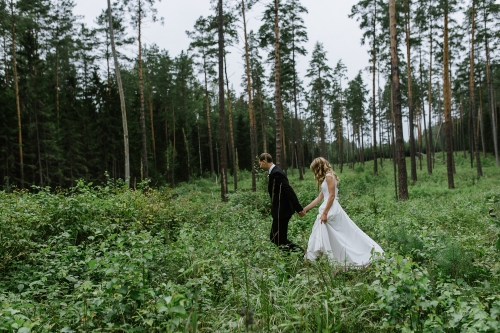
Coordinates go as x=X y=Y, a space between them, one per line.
x=103 y=258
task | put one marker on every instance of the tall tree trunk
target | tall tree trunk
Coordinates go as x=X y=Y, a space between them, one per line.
x=6 y=64
x=480 y=115
x=341 y=127
x=381 y=129
x=296 y=139
x=491 y=101
x=393 y=150
x=322 y=118
x=174 y=150
x=199 y=148
x=144 y=150
x=426 y=137
x=16 y=89
x=374 y=110
x=262 y=121
x=207 y=105
x=222 y=116
x=277 y=94
x=186 y=144
x=462 y=116
x=398 y=117
x=447 y=102
x=122 y=96
x=472 y=99
x=151 y=120
x=251 y=116
x=411 y=117
x=231 y=132
x=430 y=166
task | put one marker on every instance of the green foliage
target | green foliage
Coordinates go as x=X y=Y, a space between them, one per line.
x=96 y=258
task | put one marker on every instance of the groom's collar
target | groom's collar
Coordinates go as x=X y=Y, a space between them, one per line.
x=271 y=168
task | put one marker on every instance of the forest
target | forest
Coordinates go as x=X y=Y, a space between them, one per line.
x=75 y=106
x=131 y=198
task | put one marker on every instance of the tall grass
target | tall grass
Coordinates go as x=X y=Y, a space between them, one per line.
x=102 y=258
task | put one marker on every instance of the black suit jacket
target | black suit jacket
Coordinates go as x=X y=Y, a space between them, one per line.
x=283 y=199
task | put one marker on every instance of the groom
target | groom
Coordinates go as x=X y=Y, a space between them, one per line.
x=284 y=203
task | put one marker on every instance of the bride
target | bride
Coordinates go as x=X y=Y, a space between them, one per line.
x=334 y=233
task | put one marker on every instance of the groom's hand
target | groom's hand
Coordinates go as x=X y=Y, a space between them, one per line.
x=302 y=213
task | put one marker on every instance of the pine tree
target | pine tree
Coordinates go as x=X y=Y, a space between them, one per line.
x=400 y=155
x=320 y=74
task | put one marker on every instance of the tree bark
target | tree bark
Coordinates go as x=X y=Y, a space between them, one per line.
x=16 y=89
x=430 y=166
x=480 y=115
x=251 y=116
x=400 y=156
x=472 y=100
x=296 y=139
x=374 y=110
x=144 y=150
x=151 y=120
x=447 y=102
x=426 y=137
x=122 y=96
x=413 y=163
x=222 y=117
x=277 y=94
x=491 y=101
x=207 y=104
x=231 y=132
x=186 y=144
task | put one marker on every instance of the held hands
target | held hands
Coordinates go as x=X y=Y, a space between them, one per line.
x=302 y=213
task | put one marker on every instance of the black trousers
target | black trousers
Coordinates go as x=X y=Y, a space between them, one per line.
x=279 y=233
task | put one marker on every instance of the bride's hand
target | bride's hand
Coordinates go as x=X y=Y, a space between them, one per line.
x=323 y=218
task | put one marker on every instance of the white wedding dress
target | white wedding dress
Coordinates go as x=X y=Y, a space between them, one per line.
x=339 y=238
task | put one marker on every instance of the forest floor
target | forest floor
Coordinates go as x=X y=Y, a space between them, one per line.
x=103 y=258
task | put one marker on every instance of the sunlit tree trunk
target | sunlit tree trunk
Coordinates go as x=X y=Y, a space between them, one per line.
x=398 y=118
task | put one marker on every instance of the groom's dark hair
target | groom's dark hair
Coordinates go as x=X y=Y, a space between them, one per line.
x=265 y=156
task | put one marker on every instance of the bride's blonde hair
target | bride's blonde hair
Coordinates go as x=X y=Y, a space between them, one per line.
x=321 y=167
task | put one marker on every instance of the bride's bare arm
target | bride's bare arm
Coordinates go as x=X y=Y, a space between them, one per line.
x=314 y=202
x=331 y=190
